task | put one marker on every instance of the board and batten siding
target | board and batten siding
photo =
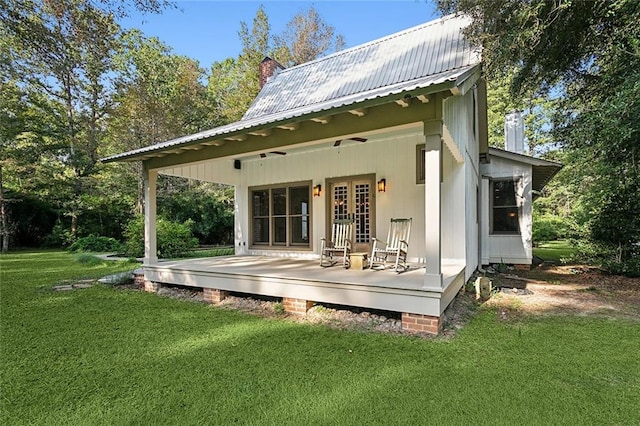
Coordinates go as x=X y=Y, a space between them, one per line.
x=218 y=171
x=389 y=157
x=507 y=249
x=460 y=236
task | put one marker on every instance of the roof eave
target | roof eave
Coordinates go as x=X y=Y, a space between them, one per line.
x=265 y=124
x=542 y=170
x=466 y=80
x=534 y=161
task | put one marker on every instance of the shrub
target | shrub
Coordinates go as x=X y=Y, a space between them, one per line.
x=550 y=228
x=209 y=205
x=629 y=267
x=96 y=243
x=58 y=237
x=608 y=258
x=173 y=239
x=88 y=259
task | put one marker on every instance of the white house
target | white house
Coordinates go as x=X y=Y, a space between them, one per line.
x=409 y=109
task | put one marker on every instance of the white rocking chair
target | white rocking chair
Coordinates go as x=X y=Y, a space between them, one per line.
x=339 y=246
x=395 y=247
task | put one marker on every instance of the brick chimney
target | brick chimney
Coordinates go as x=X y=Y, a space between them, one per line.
x=268 y=68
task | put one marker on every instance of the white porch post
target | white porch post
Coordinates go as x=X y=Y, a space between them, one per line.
x=433 y=201
x=241 y=208
x=150 y=248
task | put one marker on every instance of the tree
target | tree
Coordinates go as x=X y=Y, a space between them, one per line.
x=159 y=96
x=234 y=82
x=226 y=103
x=28 y=164
x=537 y=109
x=306 y=37
x=61 y=52
x=12 y=113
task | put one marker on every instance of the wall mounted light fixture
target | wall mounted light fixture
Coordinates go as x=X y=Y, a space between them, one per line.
x=382 y=185
x=317 y=190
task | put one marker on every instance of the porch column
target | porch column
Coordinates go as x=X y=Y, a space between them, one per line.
x=433 y=201
x=240 y=218
x=150 y=250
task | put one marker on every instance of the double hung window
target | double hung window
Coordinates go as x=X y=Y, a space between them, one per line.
x=504 y=207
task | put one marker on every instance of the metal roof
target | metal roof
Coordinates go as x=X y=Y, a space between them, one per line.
x=417 y=58
x=425 y=50
x=542 y=170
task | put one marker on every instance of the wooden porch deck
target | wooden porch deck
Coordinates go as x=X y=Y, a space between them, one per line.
x=305 y=279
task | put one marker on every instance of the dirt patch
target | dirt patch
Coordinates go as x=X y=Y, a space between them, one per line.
x=544 y=290
x=567 y=290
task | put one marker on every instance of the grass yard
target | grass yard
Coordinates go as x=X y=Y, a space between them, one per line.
x=210 y=252
x=108 y=356
x=555 y=251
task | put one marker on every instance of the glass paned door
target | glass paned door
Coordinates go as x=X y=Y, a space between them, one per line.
x=352 y=199
x=361 y=212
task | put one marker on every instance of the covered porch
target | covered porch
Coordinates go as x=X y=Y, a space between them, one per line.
x=305 y=282
x=426 y=173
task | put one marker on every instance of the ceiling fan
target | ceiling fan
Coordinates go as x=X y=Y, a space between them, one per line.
x=264 y=155
x=339 y=141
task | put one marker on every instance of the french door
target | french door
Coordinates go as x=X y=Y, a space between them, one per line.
x=353 y=198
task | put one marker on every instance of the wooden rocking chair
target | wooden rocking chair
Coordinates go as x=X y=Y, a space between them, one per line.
x=396 y=247
x=339 y=246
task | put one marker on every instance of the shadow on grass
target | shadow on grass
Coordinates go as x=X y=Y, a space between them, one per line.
x=100 y=356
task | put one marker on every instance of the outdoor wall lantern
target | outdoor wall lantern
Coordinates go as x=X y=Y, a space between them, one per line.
x=382 y=185
x=316 y=190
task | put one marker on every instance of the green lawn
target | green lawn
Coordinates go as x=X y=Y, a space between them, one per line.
x=107 y=356
x=210 y=252
x=555 y=251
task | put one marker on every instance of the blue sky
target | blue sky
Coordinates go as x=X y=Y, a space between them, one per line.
x=207 y=30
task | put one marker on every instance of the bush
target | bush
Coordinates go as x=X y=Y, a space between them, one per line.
x=58 y=237
x=609 y=258
x=210 y=207
x=174 y=239
x=88 y=259
x=629 y=267
x=550 y=228
x=31 y=221
x=96 y=243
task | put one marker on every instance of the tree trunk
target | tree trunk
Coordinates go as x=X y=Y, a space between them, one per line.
x=3 y=217
x=74 y=225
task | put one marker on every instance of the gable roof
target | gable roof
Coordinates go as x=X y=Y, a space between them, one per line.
x=542 y=170
x=430 y=57
x=423 y=55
